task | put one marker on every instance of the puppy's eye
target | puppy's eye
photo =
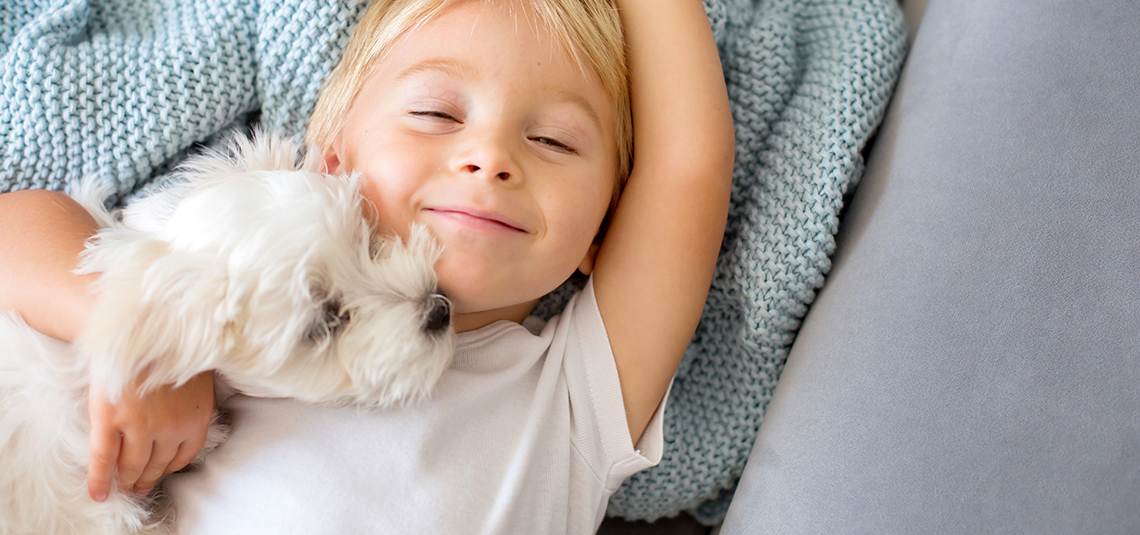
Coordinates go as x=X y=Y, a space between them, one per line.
x=329 y=321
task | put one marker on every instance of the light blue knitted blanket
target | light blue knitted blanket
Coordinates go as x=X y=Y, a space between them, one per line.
x=124 y=88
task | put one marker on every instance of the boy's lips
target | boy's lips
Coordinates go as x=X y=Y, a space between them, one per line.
x=479 y=218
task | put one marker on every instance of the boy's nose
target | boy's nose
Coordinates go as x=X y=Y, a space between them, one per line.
x=490 y=159
x=475 y=170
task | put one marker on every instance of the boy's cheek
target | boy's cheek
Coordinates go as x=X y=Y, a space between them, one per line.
x=384 y=210
x=469 y=286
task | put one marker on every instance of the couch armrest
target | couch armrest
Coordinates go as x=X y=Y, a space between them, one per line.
x=972 y=364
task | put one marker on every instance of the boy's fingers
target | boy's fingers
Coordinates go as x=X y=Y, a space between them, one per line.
x=186 y=453
x=105 y=444
x=160 y=457
x=133 y=459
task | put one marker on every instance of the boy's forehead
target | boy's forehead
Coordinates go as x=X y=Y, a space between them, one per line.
x=513 y=26
x=467 y=40
x=443 y=65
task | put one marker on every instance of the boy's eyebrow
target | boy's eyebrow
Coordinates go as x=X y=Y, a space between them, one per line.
x=446 y=66
x=580 y=102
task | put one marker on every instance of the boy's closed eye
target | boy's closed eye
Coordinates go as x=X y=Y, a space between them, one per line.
x=435 y=120
x=560 y=134
x=446 y=117
x=436 y=115
x=554 y=144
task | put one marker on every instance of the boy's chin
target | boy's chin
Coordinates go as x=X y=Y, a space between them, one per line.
x=478 y=291
x=470 y=319
x=473 y=295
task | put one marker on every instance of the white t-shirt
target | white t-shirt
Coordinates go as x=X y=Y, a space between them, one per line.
x=525 y=433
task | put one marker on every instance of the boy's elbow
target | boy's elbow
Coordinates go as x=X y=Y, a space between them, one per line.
x=713 y=159
x=17 y=206
x=717 y=154
x=717 y=144
x=726 y=159
x=31 y=198
x=19 y=209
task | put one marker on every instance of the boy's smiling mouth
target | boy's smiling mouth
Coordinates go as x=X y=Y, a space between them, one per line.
x=478 y=219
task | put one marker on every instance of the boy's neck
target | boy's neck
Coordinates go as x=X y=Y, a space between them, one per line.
x=475 y=320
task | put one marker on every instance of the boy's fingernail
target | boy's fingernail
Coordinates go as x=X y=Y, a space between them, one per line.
x=101 y=496
x=142 y=493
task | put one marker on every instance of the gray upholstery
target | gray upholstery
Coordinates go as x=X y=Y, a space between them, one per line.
x=972 y=364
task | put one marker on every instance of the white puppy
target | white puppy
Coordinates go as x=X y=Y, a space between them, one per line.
x=249 y=265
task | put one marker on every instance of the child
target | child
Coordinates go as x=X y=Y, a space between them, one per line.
x=502 y=126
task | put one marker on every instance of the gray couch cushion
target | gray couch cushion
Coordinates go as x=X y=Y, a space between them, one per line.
x=971 y=365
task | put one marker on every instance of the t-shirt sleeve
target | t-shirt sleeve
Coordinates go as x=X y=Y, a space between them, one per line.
x=599 y=428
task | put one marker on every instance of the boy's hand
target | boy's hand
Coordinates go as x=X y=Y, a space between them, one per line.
x=147 y=436
x=41 y=235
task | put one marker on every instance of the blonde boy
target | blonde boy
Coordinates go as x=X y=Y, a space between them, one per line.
x=503 y=126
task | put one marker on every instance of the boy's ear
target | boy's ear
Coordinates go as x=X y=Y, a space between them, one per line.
x=332 y=159
x=587 y=265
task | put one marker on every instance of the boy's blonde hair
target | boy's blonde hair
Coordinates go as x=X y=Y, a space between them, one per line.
x=589 y=30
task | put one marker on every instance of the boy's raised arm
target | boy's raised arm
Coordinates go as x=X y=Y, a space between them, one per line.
x=653 y=271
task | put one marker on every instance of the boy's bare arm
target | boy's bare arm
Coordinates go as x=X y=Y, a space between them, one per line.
x=41 y=236
x=655 y=266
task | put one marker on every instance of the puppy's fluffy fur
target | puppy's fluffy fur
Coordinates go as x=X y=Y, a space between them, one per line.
x=250 y=265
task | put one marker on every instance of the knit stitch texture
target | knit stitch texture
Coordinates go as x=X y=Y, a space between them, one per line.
x=123 y=89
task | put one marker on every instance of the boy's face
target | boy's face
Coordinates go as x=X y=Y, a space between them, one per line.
x=484 y=130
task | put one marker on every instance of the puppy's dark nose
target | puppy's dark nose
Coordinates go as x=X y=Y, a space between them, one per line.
x=439 y=318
